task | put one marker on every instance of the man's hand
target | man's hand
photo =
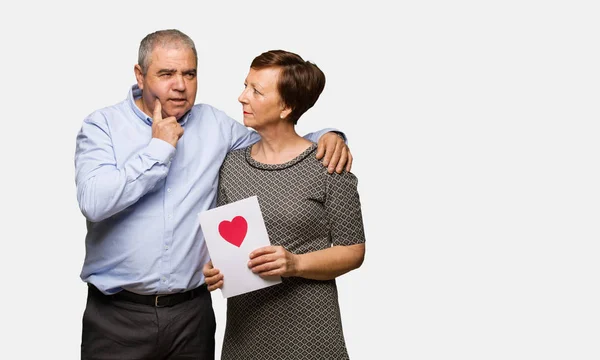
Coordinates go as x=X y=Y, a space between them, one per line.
x=167 y=129
x=335 y=151
x=212 y=276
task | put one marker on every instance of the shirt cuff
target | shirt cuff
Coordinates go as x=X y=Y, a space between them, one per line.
x=338 y=132
x=160 y=151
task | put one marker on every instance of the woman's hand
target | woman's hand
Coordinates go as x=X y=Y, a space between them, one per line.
x=212 y=276
x=272 y=261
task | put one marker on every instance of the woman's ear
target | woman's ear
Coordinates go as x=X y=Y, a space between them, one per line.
x=285 y=112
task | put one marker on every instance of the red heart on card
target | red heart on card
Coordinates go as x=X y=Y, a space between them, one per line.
x=234 y=231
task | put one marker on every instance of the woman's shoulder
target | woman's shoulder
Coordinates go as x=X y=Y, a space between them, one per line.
x=344 y=180
x=235 y=155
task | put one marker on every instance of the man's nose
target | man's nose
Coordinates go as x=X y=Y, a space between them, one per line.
x=179 y=83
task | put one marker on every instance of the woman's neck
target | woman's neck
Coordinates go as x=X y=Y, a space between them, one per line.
x=278 y=146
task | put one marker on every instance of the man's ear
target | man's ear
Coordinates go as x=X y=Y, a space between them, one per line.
x=139 y=76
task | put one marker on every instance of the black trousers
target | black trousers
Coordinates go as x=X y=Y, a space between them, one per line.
x=123 y=330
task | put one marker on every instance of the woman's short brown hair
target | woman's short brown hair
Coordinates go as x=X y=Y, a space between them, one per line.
x=300 y=82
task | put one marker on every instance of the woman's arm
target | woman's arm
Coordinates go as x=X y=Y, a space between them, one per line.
x=324 y=264
x=344 y=219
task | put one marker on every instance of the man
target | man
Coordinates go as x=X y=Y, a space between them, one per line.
x=141 y=185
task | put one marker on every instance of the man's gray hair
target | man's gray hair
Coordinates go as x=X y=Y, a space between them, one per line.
x=162 y=38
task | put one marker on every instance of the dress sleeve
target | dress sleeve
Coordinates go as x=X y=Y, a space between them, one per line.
x=221 y=193
x=342 y=204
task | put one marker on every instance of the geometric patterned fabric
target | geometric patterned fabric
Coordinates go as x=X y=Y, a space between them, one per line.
x=305 y=209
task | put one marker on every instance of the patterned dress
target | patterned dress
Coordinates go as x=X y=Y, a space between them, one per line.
x=305 y=209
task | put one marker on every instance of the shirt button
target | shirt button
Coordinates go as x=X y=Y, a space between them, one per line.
x=169 y=190
x=170 y=216
x=164 y=279
x=166 y=247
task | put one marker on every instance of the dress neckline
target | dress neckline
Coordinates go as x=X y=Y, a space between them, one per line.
x=285 y=165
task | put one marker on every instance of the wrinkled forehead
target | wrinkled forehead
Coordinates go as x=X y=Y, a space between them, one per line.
x=173 y=54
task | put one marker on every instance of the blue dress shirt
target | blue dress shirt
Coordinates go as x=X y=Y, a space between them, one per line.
x=141 y=196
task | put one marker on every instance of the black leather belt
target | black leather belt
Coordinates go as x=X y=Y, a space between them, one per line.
x=156 y=300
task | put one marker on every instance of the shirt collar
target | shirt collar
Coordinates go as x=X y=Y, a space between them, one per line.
x=135 y=93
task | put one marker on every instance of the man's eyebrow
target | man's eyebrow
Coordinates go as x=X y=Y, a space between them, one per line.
x=166 y=71
x=190 y=71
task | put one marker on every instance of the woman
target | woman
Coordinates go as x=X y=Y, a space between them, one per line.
x=313 y=219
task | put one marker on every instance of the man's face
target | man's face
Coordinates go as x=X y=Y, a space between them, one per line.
x=171 y=78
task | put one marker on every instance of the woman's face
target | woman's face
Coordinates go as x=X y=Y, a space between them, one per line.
x=260 y=99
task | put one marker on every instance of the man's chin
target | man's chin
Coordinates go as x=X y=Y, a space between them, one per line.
x=179 y=113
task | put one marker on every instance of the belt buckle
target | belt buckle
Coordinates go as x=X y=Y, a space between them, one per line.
x=156 y=301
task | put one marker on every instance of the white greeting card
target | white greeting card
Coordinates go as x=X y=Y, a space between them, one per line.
x=231 y=233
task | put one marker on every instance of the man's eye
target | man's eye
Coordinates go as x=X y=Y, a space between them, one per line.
x=257 y=92
x=165 y=75
x=190 y=76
